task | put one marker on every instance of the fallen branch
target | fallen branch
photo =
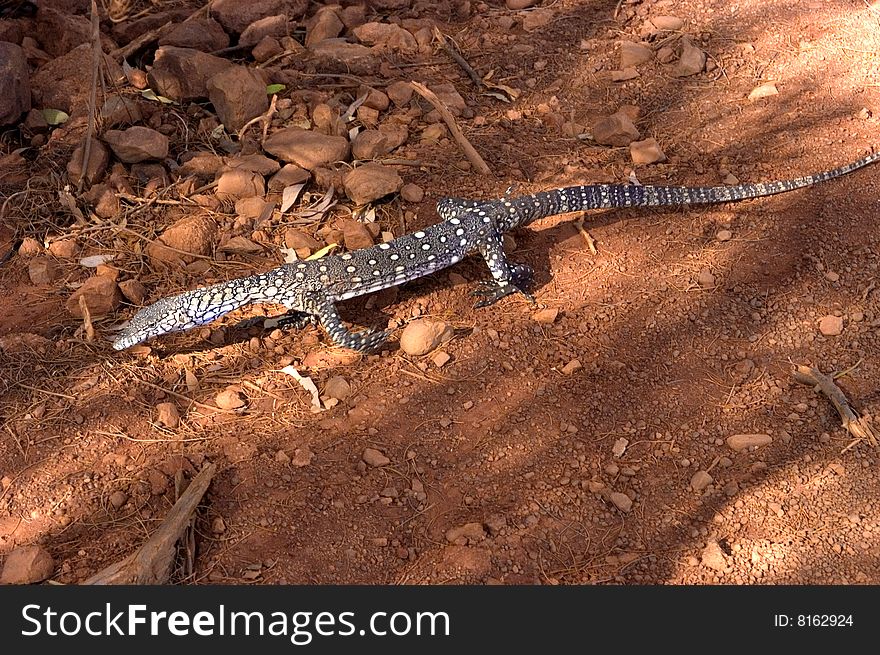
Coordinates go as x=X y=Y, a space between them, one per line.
x=858 y=426
x=152 y=563
x=142 y=41
x=265 y=119
x=465 y=145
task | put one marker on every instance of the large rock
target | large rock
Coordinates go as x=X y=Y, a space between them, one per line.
x=59 y=32
x=182 y=74
x=201 y=33
x=615 y=130
x=272 y=26
x=99 y=158
x=193 y=235
x=235 y=15
x=305 y=148
x=238 y=95
x=386 y=35
x=325 y=24
x=15 y=87
x=341 y=50
x=101 y=293
x=370 y=182
x=26 y=565
x=692 y=60
x=237 y=183
x=424 y=335
x=137 y=144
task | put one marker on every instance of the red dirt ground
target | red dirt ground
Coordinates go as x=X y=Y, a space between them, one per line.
x=500 y=436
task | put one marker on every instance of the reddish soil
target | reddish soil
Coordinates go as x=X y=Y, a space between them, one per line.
x=500 y=436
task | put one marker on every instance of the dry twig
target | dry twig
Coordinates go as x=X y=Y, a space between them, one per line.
x=465 y=145
x=858 y=426
x=93 y=96
x=451 y=49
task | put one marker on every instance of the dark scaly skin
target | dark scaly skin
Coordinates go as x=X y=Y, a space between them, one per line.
x=311 y=289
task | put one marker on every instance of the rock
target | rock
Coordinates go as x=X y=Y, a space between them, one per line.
x=449 y=96
x=119 y=109
x=205 y=165
x=235 y=16
x=137 y=144
x=624 y=75
x=375 y=458
x=440 y=358
x=43 y=270
x=412 y=193
x=230 y=398
x=469 y=533
x=386 y=35
x=370 y=182
x=424 y=335
x=536 y=19
x=194 y=235
x=218 y=525
x=302 y=243
x=830 y=325
x=302 y=457
x=621 y=501
x=256 y=163
x=692 y=60
x=375 y=99
x=763 y=91
x=325 y=24
x=250 y=208
x=646 y=152
x=282 y=458
x=516 y=5
x=289 y=175
x=99 y=158
x=306 y=148
x=572 y=367
x=547 y=315
x=26 y=565
x=619 y=447
x=341 y=50
x=495 y=524
x=400 y=93
x=369 y=144
x=634 y=54
x=59 y=32
x=15 y=86
x=671 y=23
x=267 y=48
x=705 y=279
x=63 y=83
x=102 y=296
x=275 y=27
x=158 y=482
x=182 y=74
x=118 y=499
x=238 y=95
x=134 y=291
x=236 y=183
x=30 y=247
x=337 y=387
x=64 y=248
x=167 y=415
x=724 y=235
x=615 y=130
x=713 y=557
x=740 y=442
x=202 y=33
x=356 y=235
x=701 y=480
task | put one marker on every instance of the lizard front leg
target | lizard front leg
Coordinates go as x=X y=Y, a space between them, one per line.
x=325 y=311
x=507 y=278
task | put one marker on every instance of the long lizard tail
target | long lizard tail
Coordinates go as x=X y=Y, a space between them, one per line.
x=522 y=210
x=192 y=308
